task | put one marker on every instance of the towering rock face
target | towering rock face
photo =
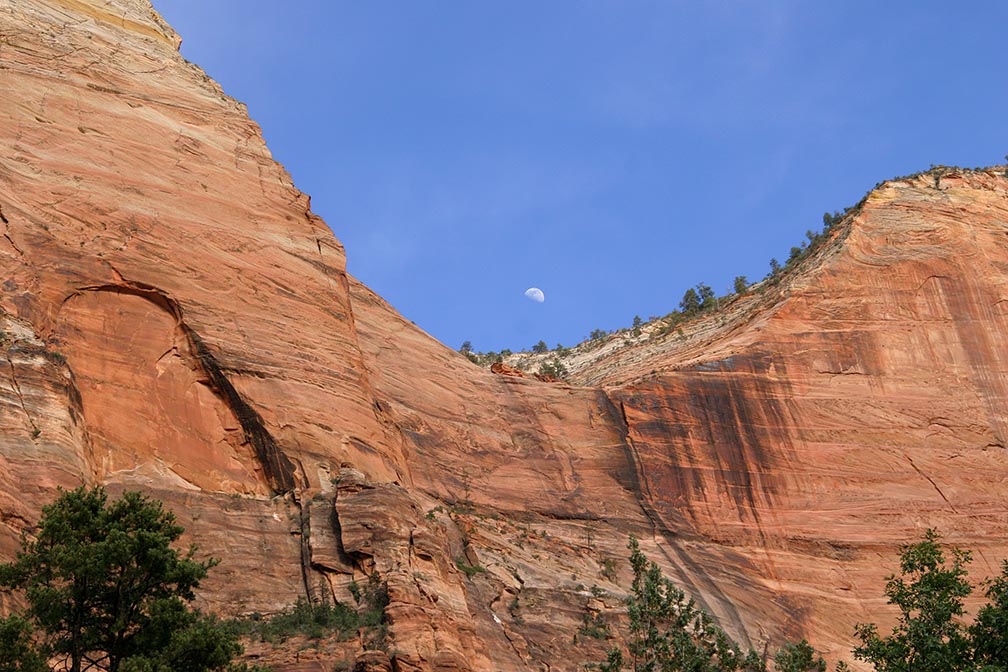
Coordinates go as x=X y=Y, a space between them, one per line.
x=176 y=319
x=161 y=275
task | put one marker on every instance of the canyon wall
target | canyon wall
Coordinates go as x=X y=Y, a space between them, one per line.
x=177 y=320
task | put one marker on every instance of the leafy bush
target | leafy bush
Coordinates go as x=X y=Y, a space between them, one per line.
x=929 y=636
x=989 y=631
x=707 y=299
x=311 y=620
x=829 y=221
x=469 y=570
x=798 y=657
x=324 y=619
x=554 y=368
x=18 y=652
x=594 y=627
x=609 y=569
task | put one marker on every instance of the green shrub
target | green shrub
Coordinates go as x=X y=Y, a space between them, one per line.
x=707 y=299
x=798 y=657
x=594 y=627
x=469 y=570
x=317 y=621
x=930 y=635
x=609 y=569
x=311 y=620
x=554 y=368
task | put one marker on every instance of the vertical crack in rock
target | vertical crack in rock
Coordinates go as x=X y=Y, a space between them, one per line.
x=304 y=522
x=278 y=468
x=10 y=240
x=507 y=635
x=931 y=481
x=17 y=390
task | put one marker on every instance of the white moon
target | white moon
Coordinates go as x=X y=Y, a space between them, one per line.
x=535 y=294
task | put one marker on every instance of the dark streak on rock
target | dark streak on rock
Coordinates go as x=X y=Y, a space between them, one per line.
x=277 y=467
x=691 y=573
x=974 y=322
x=711 y=427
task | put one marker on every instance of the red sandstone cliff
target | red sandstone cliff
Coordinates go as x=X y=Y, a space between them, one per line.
x=177 y=320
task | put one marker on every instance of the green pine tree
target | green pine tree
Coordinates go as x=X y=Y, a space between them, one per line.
x=670 y=633
x=18 y=652
x=106 y=591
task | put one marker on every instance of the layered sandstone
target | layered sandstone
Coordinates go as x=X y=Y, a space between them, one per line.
x=176 y=319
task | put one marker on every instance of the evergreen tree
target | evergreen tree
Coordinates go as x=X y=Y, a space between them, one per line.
x=106 y=591
x=706 y=295
x=690 y=303
x=669 y=632
x=17 y=650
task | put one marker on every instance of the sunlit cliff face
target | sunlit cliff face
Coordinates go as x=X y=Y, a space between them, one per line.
x=178 y=321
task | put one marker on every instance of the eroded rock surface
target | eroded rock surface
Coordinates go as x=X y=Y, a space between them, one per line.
x=177 y=320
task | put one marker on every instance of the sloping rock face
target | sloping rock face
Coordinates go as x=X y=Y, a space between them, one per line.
x=176 y=319
x=776 y=457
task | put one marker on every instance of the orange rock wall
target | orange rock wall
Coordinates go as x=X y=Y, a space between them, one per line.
x=177 y=320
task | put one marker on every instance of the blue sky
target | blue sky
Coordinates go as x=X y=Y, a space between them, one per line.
x=611 y=153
